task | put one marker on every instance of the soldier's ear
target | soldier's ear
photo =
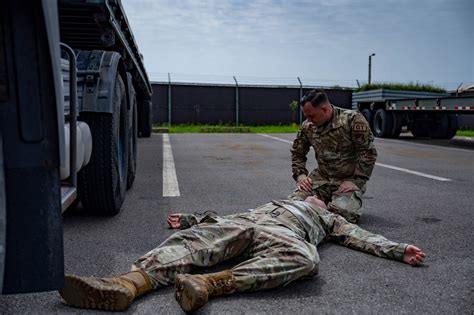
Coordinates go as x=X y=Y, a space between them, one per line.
x=324 y=107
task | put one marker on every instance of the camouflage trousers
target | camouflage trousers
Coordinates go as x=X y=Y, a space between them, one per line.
x=272 y=247
x=347 y=204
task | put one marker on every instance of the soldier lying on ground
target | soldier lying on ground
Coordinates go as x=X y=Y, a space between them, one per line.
x=343 y=146
x=277 y=243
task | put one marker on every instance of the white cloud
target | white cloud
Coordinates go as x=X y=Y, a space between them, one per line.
x=329 y=39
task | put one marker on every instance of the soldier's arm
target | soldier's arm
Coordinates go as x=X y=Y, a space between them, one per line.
x=363 y=140
x=353 y=236
x=299 y=150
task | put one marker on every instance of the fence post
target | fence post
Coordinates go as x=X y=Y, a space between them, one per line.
x=301 y=95
x=236 y=101
x=169 y=99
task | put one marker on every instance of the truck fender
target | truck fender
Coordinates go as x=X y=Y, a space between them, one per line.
x=96 y=74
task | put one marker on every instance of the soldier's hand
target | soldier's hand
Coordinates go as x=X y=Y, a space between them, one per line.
x=346 y=187
x=413 y=255
x=174 y=221
x=306 y=184
x=315 y=200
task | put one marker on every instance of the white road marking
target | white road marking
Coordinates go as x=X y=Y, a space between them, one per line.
x=442 y=179
x=433 y=146
x=275 y=138
x=170 y=181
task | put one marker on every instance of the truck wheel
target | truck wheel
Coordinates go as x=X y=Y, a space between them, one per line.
x=383 y=123
x=102 y=183
x=369 y=116
x=440 y=125
x=132 y=143
x=145 y=117
x=453 y=125
x=397 y=125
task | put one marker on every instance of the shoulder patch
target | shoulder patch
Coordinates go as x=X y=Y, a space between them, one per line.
x=360 y=126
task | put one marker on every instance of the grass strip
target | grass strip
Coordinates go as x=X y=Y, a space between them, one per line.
x=465 y=133
x=293 y=128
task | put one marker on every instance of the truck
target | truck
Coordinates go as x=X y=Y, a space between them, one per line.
x=425 y=114
x=74 y=97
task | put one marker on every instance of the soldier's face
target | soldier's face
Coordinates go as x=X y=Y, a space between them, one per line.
x=315 y=115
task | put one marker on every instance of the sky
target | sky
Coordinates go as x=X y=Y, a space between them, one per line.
x=323 y=42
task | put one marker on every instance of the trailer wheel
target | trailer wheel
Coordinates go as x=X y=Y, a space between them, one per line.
x=383 y=123
x=132 y=143
x=397 y=124
x=453 y=125
x=145 y=117
x=102 y=183
x=440 y=126
x=369 y=116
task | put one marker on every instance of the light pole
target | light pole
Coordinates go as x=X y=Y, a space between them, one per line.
x=370 y=67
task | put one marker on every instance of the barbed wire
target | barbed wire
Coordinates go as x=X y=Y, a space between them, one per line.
x=162 y=77
x=250 y=80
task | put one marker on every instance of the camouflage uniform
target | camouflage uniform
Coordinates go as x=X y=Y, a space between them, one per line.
x=341 y=146
x=277 y=243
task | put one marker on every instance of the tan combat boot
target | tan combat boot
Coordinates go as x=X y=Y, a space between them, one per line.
x=110 y=294
x=193 y=291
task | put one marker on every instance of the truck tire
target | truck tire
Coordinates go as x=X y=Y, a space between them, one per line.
x=383 y=123
x=145 y=117
x=453 y=125
x=440 y=126
x=132 y=142
x=397 y=124
x=102 y=183
x=369 y=116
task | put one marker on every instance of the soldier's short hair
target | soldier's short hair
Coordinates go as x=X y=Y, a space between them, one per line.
x=315 y=97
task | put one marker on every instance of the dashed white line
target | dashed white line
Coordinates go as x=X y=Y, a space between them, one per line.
x=170 y=180
x=442 y=179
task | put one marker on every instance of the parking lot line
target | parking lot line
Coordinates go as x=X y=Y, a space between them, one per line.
x=431 y=146
x=170 y=180
x=442 y=179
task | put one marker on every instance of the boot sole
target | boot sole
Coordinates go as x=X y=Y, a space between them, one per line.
x=79 y=293
x=187 y=296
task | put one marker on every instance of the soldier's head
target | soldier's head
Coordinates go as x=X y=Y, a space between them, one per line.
x=316 y=107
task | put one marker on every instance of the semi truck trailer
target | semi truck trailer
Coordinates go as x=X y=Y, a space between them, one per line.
x=74 y=97
x=426 y=115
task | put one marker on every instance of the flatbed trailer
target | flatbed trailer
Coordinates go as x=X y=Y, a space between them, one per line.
x=425 y=115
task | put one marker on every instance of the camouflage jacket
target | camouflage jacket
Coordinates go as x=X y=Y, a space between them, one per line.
x=341 y=146
x=315 y=223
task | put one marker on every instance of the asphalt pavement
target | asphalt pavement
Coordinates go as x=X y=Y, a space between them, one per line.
x=228 y=173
